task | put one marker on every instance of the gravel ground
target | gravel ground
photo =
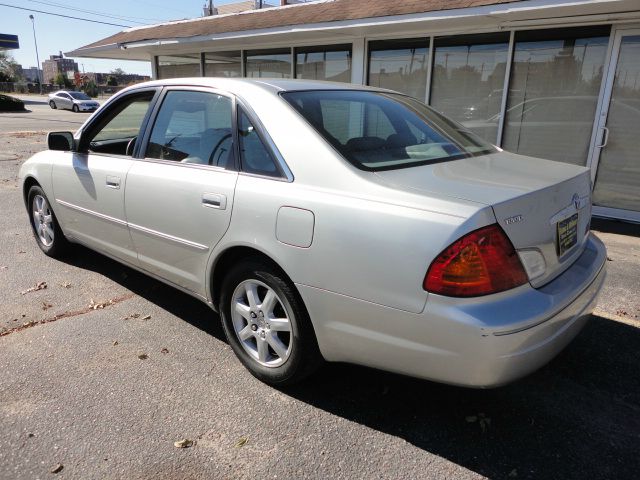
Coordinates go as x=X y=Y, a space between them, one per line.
x=125 y=366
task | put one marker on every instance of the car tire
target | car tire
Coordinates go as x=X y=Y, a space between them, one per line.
x=44 y=224
x=271 y=332
x=75 y=109
x=53 y=105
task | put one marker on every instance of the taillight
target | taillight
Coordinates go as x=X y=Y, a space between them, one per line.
x=482 y=262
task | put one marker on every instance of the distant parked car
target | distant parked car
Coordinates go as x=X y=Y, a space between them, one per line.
x=76 y=101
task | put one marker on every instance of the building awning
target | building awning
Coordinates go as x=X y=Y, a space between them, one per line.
x=334 y=21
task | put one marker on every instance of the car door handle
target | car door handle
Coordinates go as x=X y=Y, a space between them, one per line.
x=214 y=200
x=113 y=182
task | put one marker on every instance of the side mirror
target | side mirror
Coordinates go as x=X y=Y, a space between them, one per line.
x=62 y=141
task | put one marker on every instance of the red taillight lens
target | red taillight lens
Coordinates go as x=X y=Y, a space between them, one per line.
x=482 y=262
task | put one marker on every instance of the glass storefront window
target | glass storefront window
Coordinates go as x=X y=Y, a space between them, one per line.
x=324 y=63
x=400 y=65
x=553 y=93
x=175 y=66
x=468 y=80
x=268 y=63
x=222 y=64
x=618 y=179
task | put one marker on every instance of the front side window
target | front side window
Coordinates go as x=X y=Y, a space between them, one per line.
x=193 y=127
x=381 y=131
x=79 y=96
x=255 y=156
x=119 y=126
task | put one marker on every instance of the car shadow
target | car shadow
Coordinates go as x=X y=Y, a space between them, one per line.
x=578 y=417
x=615 y=226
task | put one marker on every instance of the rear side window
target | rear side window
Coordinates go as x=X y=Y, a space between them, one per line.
x=193 y=127
x=255 y=156
x=381 y=131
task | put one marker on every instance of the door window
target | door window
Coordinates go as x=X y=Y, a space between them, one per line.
x=118 y=128
x=193 y=127
x=255 y=156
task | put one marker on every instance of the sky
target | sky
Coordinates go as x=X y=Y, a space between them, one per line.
x=55 y=34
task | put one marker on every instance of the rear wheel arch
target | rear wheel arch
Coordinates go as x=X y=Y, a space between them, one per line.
x=225 y=262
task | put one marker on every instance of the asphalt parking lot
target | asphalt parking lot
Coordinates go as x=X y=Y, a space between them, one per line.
x=103 y=369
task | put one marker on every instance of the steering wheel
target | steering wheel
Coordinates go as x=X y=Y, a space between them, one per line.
x=215 y=149
x=130 y=146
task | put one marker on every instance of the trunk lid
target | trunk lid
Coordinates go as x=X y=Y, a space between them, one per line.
x=532 y=200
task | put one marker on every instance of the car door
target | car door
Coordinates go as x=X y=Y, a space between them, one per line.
x=89 y=184
x=179 y=197
x=65 y=100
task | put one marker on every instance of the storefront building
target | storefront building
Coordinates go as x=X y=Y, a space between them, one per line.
x=552 y=79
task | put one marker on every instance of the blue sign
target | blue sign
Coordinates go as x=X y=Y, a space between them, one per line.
x=8 y=41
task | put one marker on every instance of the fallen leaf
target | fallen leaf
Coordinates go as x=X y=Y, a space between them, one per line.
x=38 y=286
x=241 y=443
x=609 y=259
x=115 y=342
x=57 y=468
x=100 y=305
x=46 y=306
x=184 y=443
x=21 y=251
x=65 y=285
x=3 y=267
x=164 y=350
x=146 y=317
x=143 y=356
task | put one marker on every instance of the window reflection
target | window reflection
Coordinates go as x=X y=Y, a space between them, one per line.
x=222 y=64
x=400 y=65
x=468 y=80
x=324 y=63
x=553 y=93
x=176 y=66
x=618 y=180
x=269 y=63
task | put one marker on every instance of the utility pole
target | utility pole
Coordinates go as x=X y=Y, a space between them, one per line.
x=33 y=24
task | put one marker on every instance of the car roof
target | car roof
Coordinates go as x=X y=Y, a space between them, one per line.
x=273 y=85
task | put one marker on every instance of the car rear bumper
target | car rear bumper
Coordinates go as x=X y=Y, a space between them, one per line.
x=475 y=342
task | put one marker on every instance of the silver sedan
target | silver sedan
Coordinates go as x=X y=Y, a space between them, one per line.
x=329 y=222
x=75 y=101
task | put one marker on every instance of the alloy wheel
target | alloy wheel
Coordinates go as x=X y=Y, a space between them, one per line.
x=262 y=323
x=43 y=220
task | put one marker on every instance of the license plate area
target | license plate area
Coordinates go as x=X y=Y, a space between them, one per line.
x=567 y=234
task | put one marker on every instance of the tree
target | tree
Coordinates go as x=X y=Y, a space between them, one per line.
x=112 y=81
x=62 y=80
x=9 y=68
x=90 y=88
x=118 y=72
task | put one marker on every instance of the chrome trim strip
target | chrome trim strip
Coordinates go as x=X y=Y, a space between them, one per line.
x=148 y=231
x=91 y=212
x=166 y=236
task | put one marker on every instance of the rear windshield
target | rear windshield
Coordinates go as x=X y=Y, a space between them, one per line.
x=383 y=131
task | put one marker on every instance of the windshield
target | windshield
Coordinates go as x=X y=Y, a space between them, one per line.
x=382 y=131
x=79 y=96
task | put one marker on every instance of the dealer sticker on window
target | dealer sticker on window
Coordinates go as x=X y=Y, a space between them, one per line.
x=567 y=234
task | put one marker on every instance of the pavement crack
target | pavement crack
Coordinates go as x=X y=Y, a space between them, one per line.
x=68 y=314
